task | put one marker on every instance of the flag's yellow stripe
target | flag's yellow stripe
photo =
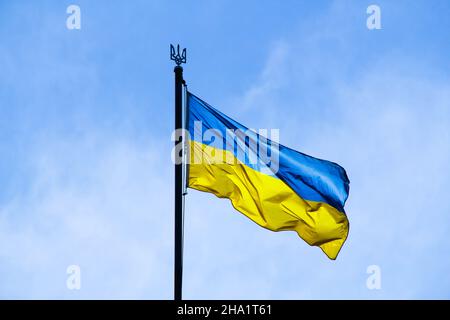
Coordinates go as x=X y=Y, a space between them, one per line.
x=267 y=200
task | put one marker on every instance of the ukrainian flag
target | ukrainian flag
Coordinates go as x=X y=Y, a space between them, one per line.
x=292 y=191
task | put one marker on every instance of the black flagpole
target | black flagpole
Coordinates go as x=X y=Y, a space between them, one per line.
x=179 y=58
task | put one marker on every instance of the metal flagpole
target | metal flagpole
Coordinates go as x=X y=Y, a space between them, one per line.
x=179 y=58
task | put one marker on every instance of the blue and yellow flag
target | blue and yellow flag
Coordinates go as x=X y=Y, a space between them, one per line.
x=275 y=186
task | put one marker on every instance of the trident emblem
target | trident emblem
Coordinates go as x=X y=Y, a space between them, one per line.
x=176 y=56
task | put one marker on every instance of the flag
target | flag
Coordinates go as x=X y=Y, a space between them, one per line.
x=275 y=186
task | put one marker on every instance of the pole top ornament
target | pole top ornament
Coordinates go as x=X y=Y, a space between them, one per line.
x=176 y=56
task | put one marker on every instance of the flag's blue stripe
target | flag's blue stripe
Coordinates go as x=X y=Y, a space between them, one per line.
x=311 y=178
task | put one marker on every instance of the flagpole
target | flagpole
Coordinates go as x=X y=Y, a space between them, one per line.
x=179 y=58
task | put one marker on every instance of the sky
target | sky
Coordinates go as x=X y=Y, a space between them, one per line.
x=86 y=120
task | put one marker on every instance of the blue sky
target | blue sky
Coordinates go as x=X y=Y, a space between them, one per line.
x=86 y=118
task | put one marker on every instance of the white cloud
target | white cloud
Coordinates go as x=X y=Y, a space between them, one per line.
x=95 y=202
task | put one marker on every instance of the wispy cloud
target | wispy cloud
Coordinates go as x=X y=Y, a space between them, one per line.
x=94 y=203
x=388 y=126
